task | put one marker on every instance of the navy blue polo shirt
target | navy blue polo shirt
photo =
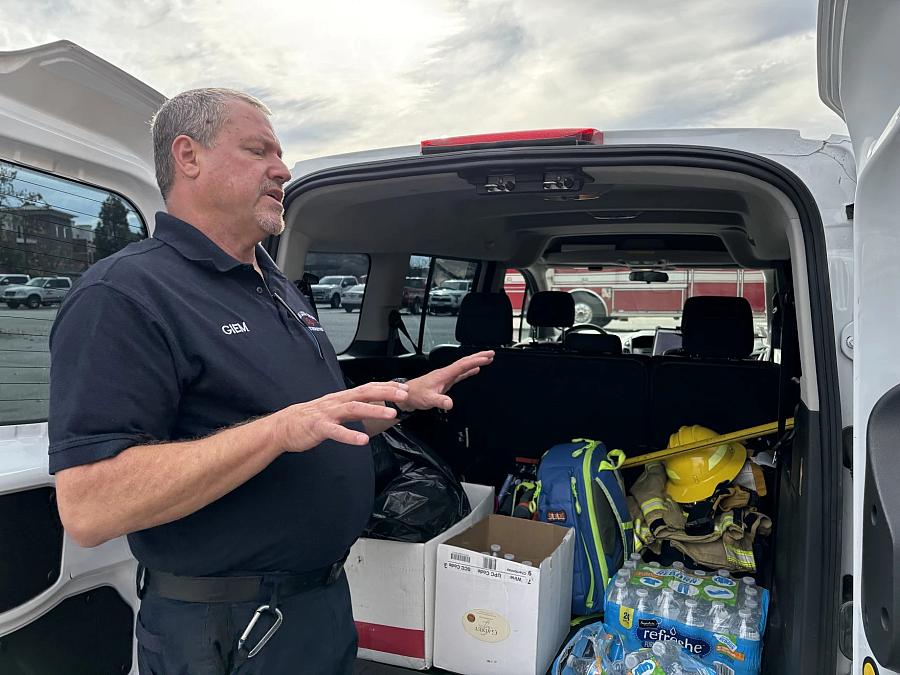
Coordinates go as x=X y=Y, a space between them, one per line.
x=172 y=339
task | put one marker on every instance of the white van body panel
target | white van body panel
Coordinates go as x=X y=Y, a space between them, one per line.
x=65 y=111
x=859 y=79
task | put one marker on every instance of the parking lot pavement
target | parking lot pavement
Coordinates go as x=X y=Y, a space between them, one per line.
x=24 y=358
x=25 y=329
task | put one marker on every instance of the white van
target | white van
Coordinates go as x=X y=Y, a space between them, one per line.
x=817 y=223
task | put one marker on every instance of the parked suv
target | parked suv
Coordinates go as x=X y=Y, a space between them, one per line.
x=329 y=289
x=37 y=292
x=447 y=297
x=13 y=279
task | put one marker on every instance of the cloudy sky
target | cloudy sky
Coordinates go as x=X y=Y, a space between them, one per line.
x=358 y=74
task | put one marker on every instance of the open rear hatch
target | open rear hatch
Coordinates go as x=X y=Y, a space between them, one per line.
x=507 y=205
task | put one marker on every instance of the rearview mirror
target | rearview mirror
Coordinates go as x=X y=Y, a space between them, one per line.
x=648 y=276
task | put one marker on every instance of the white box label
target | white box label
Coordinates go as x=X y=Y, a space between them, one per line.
x=491 y=568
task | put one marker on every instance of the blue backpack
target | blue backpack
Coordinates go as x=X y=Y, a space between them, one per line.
x=579 y=486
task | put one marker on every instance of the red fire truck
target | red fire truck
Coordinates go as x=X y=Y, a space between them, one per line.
x=603 y=295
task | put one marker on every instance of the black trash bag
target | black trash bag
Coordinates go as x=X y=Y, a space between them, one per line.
x=387 y=463
x=422 y=500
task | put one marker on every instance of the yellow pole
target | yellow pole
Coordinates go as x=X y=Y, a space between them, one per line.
x=715 y=441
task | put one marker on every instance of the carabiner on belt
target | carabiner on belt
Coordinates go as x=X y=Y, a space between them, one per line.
x=262 y=609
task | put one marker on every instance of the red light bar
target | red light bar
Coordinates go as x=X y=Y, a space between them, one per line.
x=513 y=139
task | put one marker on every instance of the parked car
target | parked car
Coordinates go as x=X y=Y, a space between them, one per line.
x=414 y=294
x=352 y=297
x=13 y=279
x=329 y=289
x=446 y=298
x=40 y=291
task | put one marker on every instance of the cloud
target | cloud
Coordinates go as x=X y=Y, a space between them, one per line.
x=352 y=76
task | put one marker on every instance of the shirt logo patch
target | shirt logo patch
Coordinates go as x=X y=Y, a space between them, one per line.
x=310 y=321
x=233 y=328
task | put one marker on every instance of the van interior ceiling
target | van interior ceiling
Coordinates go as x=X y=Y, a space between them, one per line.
x=640 y=217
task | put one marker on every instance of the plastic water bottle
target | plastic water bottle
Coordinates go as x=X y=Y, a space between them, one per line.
x=666 y=606
x=630 y=565
x=678 y=565
x=635 y=659
x=642 y=602
x=495 y=550
x=750 y=593
x=755 y=613
x=528 y=563
x=636 y=557
x=720 y=619
x=700 y=573
x=632 y=660
x=666 y=654
x=692 y=615
x=724 y=573
x=620 y=593
x=509 y=556
x=655 y=565
x=746 y=625
x=746 y=583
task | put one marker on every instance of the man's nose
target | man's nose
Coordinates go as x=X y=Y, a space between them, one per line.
x=279 y=171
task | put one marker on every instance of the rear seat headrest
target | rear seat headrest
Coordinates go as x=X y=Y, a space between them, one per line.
x=718 y=327
x=593 y=343
x=551 y=309
x=485 y=320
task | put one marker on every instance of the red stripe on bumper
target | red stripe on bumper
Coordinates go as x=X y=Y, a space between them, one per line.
x=401 y=641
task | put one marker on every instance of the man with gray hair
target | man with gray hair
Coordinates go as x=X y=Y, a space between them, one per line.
x=197 y=406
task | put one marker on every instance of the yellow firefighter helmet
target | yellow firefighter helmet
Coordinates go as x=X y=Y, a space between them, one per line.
x=694 y=476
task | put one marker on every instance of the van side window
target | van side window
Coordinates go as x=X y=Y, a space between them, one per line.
x=339 y=293
x=451 y=281
x=51 y=231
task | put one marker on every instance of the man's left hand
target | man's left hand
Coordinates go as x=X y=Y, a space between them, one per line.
x=430 y=391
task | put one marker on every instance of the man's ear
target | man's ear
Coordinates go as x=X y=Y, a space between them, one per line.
x=185 y=155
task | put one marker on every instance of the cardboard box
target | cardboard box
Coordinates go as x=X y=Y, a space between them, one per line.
x=496 y=616
x=392 y=586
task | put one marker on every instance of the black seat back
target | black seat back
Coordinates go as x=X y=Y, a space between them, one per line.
x=484 y=322
x=714 y=384
x=550 y=309
x=530 y=399
x=593 y=343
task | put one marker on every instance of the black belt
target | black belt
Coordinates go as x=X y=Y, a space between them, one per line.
x=233 y=589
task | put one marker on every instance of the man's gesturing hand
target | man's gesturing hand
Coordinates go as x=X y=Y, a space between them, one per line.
x=303 y=426
x=429 y=391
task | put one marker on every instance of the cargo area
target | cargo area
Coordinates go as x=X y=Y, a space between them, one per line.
x=760 y=352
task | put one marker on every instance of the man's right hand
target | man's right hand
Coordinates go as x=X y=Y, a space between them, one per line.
x=303 y=426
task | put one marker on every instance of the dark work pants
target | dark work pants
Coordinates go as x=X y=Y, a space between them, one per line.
x=317 y=637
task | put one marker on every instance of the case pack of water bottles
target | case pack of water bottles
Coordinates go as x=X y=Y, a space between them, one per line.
x=593 y=650
x=714 y=618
